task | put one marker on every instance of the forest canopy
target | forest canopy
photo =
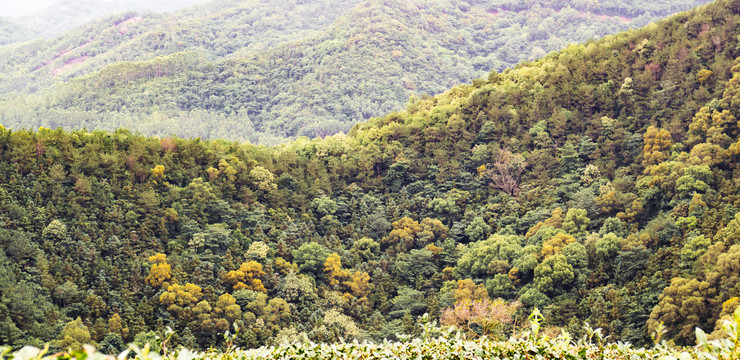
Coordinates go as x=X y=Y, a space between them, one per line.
x=597 y=184
x=271 y=71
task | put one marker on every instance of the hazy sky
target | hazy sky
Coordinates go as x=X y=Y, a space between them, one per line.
x=20 y=7
x=23 y=7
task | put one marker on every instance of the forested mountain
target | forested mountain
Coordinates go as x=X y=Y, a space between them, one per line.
x=265 y=71
x=218 y=27
x=598 y=184
x=12 y=31
x=65 y=15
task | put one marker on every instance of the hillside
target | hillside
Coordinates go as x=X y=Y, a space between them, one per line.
x=301 y=70
x=65 y=15
x=12 y=31
x=217 y=27
x=598 y=184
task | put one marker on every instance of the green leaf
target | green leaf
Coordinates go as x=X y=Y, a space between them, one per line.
x=701 y=337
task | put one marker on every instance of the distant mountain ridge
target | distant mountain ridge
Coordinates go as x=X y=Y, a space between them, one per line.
x=219 y=27
x=12 y=31
x=65 y=15
x=274 y=70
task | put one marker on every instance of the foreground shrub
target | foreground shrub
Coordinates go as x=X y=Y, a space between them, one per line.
x=449 y=344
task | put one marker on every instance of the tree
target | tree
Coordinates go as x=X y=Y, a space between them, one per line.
x=540 y=135
x=73 y=336
x=216 y=238
x=285 y=267
x=556 y=220
x=607 y=247
x=298 y=290
x=695 y=180
x=682 y=308
x=181 y=299
x=112 y=344
x=554 y=275
x=359 y=285
x=334 y=271
x=432 y=230
x=246 y=277
x=227 y=170
x=160 y=271
x=366 y=248
x=490 y=256
x=480 y=317
x=55 y=234
x=258 y=250
x=556 y=243
x=354 y=283
x=408 y=301
x=158 y=172
x=323 y=206
x=114 y=324
x=403 y=235
x=694 y=248
x=478 y=229
x=590 y=174
x=730 y=234
x=468 y=290
x=656 y=142
x=227 y=307
x=507 y=171
x=311 y=257
x=576 y=222
x=262 y=179
x=201 y=192
x=533 y=297
x=335 y=325
x=148 y=337
x=569 y=160
x=277 y=312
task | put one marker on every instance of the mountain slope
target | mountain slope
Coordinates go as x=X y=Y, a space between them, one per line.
x=219 y=28
x=65 y=15
x=12 y=31
x=313 y=86
x=598 y=184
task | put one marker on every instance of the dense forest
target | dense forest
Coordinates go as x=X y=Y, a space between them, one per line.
x=12 y=31
x=269 y=71
x=598 y=184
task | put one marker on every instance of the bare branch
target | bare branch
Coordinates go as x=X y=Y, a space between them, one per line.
x=507 y=172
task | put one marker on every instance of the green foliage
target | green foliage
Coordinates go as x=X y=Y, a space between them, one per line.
x=693 y=249
x=323 y=206
x=576 y=222
x=310 y=258
x=554 y=274
x=437 y=343
x=268 y=71
x=489 y=256
x=13 y=31
x=73 y=336
x=354 y=235
x=477 y=230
